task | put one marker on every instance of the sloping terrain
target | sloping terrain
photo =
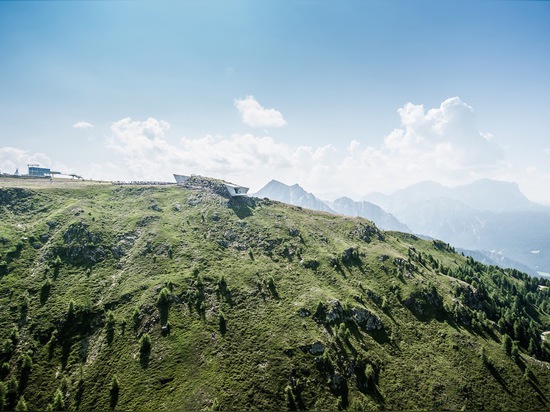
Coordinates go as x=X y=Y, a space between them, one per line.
x=487 y=216
x=146 y=298
x=297 y=196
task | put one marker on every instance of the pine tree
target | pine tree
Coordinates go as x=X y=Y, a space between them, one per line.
x=3 y=391
x=58 y=402
x=21 y=405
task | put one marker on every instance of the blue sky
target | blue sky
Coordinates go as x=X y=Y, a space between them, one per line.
x=365 y=96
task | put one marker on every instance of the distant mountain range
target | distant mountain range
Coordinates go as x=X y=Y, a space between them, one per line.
x=296 y=195
x=492 y=219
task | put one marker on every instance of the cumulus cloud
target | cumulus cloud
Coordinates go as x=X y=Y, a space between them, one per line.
x=441 y=143
x=12 y=158
x=254 y=115
x=83 y=125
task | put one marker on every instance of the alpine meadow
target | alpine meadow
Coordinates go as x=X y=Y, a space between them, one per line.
x=184 y=298
x=247 y=205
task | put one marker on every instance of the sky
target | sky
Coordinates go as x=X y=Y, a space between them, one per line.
x=343 y=97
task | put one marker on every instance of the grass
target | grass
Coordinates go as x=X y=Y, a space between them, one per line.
x=164 y=250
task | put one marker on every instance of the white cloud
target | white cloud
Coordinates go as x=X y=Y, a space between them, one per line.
x=12 y=158
x=83 y=125
x=441 y=144
x=254 y=115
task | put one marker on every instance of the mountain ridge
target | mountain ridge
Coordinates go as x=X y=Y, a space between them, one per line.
x=148 y=297
x=296 y=195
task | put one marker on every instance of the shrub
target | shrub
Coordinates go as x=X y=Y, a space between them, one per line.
x=145 y=344
x=110 y=324
x=289 y=397
x=45 y=290
x=369 y=373
x=507 y=344
x=64 y=384
x=5 y=370
x=163 y=302
x=56 y=266
x=14 y=335
x=7 y=347
x=58 y=402
x=514 y=353
x=70 y=310
x=3 y=391
x=21 y=405
x=25 y=302
x=51 y=343
x=163 y=299
x=26 y=362
x=135 y=317
x=114 y=391
x=483 y=355
x=343 y=332
x=222 y=323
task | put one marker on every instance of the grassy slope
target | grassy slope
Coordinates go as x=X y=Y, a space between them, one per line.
x=120 y=246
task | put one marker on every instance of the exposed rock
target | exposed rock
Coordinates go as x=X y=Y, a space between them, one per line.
x=303 y=312
x=335 y=312
x=294 y=232
x=421 y=301
x=349 y=255
x=155 y=207
x=366 y=319
x=367 y=233
x=310 y=264
x=145 y=220
x=317 y=348
x=79 y=232
x=81 y=245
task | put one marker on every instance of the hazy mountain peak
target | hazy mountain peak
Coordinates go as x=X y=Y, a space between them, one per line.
x=294 y=195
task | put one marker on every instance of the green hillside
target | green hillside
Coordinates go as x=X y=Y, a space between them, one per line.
x=179 y=298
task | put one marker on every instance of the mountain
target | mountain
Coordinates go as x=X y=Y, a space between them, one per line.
x=296 y=195
x=483 y=195
x=384 y=220
x=293 y=195
x=485 y=216
x=183 y=298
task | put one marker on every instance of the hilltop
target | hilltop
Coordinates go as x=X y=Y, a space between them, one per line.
x=181 y=297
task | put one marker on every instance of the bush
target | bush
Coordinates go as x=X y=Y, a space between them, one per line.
x=56 y=266
x=3 y=391
x=70 y=310
x=369 y=373
x=483 y=355
x=7 y=347
x=110 y=324
x=45 y=290
x=289 y=397
x=21 y=405
x=507 y=344
x=114 y=391
x=145 y=344
x=58 y=402
x=164 y=299
x=144 y=350
x=343 y=332
x=135 y=317
x=5 y=370
x=163 y=302
x=222 y=323
x=26 y=362
x=14 y=335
